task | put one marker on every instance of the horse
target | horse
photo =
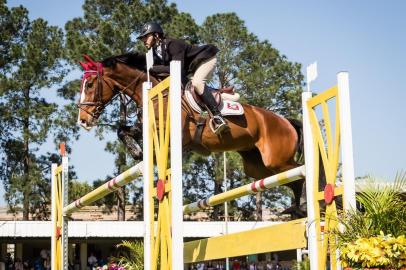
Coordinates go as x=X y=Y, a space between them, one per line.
x=268 y=143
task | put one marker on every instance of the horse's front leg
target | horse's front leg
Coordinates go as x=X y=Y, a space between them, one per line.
x=132 y=139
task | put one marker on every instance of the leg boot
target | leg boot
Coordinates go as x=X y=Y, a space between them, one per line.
x=219 y=124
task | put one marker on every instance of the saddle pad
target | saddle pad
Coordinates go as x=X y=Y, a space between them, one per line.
x=230 y=107
x=227 y=107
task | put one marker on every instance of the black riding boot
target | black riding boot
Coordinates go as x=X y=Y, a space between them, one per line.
x=218 y=122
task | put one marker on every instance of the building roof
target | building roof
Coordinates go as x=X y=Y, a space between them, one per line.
x=121 y=229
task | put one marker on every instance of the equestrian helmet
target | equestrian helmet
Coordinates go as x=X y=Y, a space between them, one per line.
x=150 y=27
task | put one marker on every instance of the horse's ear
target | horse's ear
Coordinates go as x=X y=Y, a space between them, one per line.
x=90 y=64
x=84 y=65
x=88 y=59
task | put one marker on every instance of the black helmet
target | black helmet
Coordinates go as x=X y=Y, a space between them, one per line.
x=150 y=27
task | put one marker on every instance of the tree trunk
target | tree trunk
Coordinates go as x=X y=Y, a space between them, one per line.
x=26 y=189
x=121 y=198
x=121 y=204
x=258 y=206
x=216 y=210
x=26 y=157
x=218 y=182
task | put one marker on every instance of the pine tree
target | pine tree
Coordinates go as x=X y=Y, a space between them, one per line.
x=31 y=65
x=110 y=28
x=260 y=73
x=263 y=77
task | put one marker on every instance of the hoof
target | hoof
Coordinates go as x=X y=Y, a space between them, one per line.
x=295 y=212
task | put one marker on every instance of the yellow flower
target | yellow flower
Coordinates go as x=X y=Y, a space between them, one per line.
x=380 y=251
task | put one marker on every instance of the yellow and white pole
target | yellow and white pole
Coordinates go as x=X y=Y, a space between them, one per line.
x=255 y=187
x=225 y=203
x=347 y=156
x=162 y=131
x=56 y=208
x=150 y=63
x=312 y=205
x=148 y=201
x=59 y=195
x=311 y=75
x=65 y=200
x=176 y=165
x=105 y=189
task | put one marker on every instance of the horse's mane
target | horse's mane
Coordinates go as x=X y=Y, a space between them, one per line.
x=133 y=59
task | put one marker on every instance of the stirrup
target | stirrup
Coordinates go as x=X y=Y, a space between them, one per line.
x=218 y=125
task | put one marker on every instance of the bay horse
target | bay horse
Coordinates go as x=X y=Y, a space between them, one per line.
x=267 y=142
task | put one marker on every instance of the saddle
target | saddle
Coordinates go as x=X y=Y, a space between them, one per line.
x=217 y=94
x=226 y=100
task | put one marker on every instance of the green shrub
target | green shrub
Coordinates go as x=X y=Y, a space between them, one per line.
x=132 y=255
x=374 y=236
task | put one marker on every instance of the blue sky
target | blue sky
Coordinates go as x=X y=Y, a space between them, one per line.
x=366 y=38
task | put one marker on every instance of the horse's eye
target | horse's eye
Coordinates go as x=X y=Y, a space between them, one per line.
x=89 y=84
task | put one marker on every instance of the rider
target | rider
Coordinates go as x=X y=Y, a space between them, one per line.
x=199 y=61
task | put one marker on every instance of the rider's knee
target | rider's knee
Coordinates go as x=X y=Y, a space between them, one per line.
x=198 y=85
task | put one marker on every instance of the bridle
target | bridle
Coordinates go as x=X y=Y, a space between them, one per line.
x=98 y=99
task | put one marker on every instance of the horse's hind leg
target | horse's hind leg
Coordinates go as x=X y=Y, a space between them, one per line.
x=298 y=208
x=253 y=165
x=131 y=138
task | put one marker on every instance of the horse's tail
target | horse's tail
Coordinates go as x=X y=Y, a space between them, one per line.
x=299 y=154
x=299 y=159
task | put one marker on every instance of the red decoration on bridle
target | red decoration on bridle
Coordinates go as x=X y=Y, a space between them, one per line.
x=90 y=64
x=92 y=67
